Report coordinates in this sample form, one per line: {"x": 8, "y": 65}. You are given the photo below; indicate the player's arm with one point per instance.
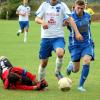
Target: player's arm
{"x": 73, "y": 24}
{"x": 67, "y": 13}
{"x": 92, "y": 12}
{"x": 42, "y": 22}
{"x": 19, "y": 13}
{"x": 17, "y": 69}
{"x": 25, "y": 87}
{"x": 38, "y": 86}
{"x": 6, "y": 84}
{"x": 29, "y": 12}
{"x": 39, "y": 16}
{"x": 31, "y": 76}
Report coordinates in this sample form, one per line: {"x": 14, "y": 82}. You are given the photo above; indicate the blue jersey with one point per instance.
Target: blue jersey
{"x": 83, "y": 25}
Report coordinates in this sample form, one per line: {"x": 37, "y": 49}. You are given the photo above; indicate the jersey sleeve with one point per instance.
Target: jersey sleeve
{"x": 20, "y": 71}
{"x": 31, "y": 76}
{"x": 66, "y": 10}
{"x": 40, "y": 11}
{"x": 91, "y": 11}
{"x": 18, "y": 9}
{"x": 6, "y": 84}
{"x": 17, "y": 70}
{"x": 25, "y": 87}
{"x": 29, "y": 10}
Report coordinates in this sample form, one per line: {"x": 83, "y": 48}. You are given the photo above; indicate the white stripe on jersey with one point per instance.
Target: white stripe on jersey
{"x": 54, "y": 16}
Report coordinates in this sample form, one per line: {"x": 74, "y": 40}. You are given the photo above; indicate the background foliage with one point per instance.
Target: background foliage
{"x": 8, "y": 7}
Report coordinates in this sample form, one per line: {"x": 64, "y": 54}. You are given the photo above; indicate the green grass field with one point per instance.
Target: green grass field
{"x": 26, "y": 55}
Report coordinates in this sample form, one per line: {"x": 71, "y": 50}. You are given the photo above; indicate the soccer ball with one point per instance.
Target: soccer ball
{"x": 65, "y": 84}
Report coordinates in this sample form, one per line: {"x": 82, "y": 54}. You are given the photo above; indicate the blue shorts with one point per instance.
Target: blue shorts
{"x": 48, "y": 45}
{"x": 24, "y": 24}
{"x": 78, "y": 52}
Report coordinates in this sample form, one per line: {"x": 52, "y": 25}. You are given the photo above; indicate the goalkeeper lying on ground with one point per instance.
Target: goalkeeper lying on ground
{"x": 18, "y": 78}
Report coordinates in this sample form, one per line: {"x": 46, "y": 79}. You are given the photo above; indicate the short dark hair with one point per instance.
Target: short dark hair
{"x": 13, "y": 77}
{"x": 80, "y": 2}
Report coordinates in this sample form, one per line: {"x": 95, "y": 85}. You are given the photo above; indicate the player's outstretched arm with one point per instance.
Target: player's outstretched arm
{"x": 73, "y": 24}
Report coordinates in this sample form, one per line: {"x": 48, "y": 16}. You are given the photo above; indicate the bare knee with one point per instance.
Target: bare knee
{"x": 44, "y": 63}
{"x": 86, "y": 59}
{"x": 76, "y": 70}
{"x": 60, "y": 52}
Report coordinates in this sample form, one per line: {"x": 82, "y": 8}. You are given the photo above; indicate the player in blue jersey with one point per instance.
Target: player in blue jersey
{"x": 50, "y": 15}
{"x": 81, "y": 49}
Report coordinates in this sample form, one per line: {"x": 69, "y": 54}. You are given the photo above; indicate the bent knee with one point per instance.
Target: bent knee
{"x": 60, "y": 52}
{"x": 86, "y": 61}
{"x": 76, "y": 70}
{"x": 44, "y": 63}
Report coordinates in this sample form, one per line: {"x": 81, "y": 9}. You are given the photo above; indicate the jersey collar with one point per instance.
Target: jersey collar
{"x": 48, "y": 1}
{"x": 77, "y": 15}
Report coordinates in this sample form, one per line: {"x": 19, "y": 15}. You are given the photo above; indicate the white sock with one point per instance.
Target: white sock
{"x": 59, "y": 62}
{"x": 25, "y": 36}
{"x": 19, "y": 30}
{"x": 41, "y": 73}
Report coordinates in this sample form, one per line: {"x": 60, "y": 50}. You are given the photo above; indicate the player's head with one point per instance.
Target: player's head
{"x": 53, "y": 2}
{"x": 79, "y": 7}
{"x": 4, "y": 63}
{"x": 25, "y": 2}
{"x": 86, "y": 4}
{"x": 13, "y": 77}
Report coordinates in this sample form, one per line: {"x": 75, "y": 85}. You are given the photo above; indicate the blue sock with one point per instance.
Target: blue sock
{"x": 84, "y": 74}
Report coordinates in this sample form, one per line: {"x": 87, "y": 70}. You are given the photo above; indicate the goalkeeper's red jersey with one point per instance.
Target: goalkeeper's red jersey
{"x": 19, "y": 71}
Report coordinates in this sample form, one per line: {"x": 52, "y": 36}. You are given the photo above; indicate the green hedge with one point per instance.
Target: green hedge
{"x": 8, "y": 9}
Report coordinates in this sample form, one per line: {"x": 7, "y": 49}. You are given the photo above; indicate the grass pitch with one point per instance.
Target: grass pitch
{"x": 26, "y": 55}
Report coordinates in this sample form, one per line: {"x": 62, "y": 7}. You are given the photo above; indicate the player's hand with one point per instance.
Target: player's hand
{"x": 79, "y": 37}
{"x": 23, "y": 14}
{"x": 38, "y": 86}
{"x": 65, "y": 23}
{"x": 45, "y": 25}
{"x": 41, "y": 85}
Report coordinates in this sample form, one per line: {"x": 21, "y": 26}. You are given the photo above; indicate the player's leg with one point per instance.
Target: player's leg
{"x": 26, "y": 30}
{"x": 59, "y": 62}
{"x": 18, "y": 32}
{"x": 21, "y": 30}
{"x": 73, "y": 67}
{"x": 42, "y": 69}
{"x": 85, "y": 72}
{"x": 88, "y": 55}
{"x": 59, "y": 45}
{"x": 44, "y": 54}
{"x": 74, "y": 64}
